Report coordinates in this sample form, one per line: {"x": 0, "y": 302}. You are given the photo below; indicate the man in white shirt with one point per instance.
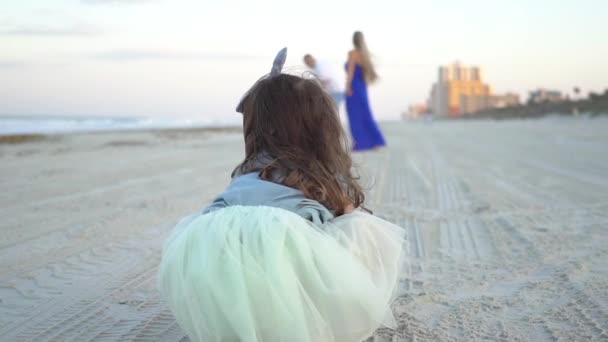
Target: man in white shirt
{"x": 329, "y": 77}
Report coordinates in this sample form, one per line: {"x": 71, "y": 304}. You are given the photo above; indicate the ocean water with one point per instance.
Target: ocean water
{"x": 16, "y": 124}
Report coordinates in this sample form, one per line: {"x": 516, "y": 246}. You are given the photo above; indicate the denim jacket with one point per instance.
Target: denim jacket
{"x": 250, "y": 189}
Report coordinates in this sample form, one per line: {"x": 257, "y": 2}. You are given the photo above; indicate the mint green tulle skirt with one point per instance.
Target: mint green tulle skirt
{"x": 264, "y": 274}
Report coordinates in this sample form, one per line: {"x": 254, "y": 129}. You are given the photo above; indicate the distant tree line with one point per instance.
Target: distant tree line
{"x": 595, "y": 104}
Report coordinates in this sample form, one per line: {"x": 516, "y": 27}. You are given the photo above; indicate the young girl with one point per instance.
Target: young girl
{"x": 284, "y": 253}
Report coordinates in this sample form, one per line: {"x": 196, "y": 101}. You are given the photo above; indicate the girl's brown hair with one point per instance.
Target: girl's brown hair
{"x": 293, "y": 136}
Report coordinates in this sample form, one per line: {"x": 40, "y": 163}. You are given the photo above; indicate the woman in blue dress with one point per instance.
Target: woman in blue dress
{"x": 364, "y": 129}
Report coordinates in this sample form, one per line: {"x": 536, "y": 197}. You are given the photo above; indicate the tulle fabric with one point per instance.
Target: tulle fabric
{"x": 265, "y": 274}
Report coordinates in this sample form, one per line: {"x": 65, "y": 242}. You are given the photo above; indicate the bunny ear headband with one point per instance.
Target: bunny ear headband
{"x": 278, "y": 63}
{"x": 277, "y": 66}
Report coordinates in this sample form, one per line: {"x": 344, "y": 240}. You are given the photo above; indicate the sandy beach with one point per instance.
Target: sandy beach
{"x": 507, "y": 225}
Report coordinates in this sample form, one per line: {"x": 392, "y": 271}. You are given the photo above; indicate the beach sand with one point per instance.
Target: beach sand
{"x": 507, "y": 225}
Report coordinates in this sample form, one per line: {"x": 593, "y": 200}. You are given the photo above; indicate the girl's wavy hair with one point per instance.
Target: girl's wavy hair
{"x": 293, "y": 136}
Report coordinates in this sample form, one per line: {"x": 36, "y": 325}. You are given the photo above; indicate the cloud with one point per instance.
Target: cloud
{"x": 6, "y": 21}
{"x": 45, "y": 31}
{"x": 101, "y": 2}
{"x": 11, "y": 64}
{"x": 45, "y": 11}
{"x": 143, "y": 55}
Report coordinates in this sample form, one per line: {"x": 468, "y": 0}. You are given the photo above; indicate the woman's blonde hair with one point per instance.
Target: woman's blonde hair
{"x": 369, "y": 73}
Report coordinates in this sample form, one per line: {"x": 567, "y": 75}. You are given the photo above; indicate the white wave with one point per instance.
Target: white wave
{"x": 57, "y": 124}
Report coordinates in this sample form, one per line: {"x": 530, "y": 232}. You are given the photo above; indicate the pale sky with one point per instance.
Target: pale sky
{"x": 189, "y": 58}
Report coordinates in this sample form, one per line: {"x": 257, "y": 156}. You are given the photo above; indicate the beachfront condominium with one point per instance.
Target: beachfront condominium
{"x": 459, "y": 90}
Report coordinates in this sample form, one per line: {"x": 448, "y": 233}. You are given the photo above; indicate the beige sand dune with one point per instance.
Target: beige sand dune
{"x": 507, "y": 223}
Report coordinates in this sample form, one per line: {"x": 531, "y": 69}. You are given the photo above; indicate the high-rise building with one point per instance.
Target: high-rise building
{"x": 458, "y": 90}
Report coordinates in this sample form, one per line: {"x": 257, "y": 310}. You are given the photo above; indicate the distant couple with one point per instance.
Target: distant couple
{"x": 360, "y": 71}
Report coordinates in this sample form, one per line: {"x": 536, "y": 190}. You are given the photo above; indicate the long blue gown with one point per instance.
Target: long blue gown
{"x": 363, "y": 127}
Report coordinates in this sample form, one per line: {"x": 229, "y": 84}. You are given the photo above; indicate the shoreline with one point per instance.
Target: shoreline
{"x": 27, "y": 137}
{"x": 20, "y": 138}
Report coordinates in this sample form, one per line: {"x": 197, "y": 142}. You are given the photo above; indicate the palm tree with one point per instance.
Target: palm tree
{"x": 577, "y": 91}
